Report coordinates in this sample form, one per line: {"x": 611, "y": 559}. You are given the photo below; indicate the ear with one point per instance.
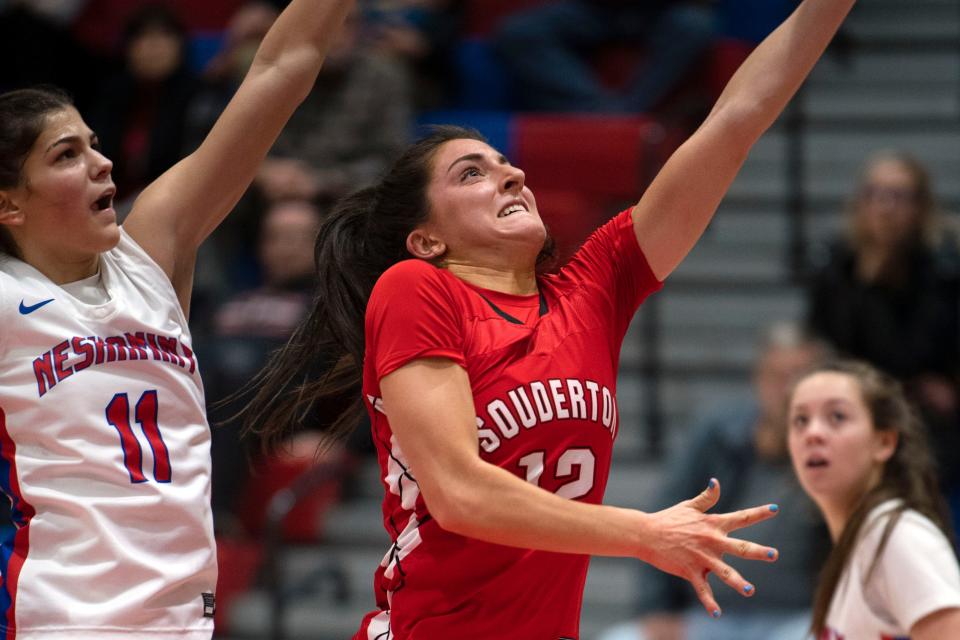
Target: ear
{"x": 421, "y": 244}
{"x": 885, "y": 444}
{"x": 10, "y": 212}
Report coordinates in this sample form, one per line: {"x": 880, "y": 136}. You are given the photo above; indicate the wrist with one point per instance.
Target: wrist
{"x": 641, "y": 534}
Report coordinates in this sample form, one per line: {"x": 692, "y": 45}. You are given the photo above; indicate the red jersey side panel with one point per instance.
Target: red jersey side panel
{"x": 544, "y": 391}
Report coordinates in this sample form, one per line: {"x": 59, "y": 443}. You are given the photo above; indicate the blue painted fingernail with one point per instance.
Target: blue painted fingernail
{"x": 747, "y": 588}
{"x": 716, "y": 613}
{"x": 774, "y": 508}
{"x": 712, "y": 483}
{"x": 771, "y": 554}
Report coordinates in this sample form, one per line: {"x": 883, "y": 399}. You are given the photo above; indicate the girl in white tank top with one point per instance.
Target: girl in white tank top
{"x": 104, "y": 444}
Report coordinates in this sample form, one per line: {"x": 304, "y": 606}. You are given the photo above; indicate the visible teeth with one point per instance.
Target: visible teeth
{"x": 511, "y": 210}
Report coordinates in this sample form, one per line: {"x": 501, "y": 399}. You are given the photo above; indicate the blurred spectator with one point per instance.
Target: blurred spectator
{"x": 547, "y": 50}
{"x": 888, "y": 292}
{"x": 424, "y": 34}
{"x": 744, "y": 446}
{"x": 285, "y": 254}
{"x": 225, "y": 263}
{"x": 220, "y": 80}
{"x": 100, "y": 25}
{"x": 248, "y": 327}
{"x": 38, "y": 48}
{"x": 141, "y": 111}
{"x": 342, "y": 137}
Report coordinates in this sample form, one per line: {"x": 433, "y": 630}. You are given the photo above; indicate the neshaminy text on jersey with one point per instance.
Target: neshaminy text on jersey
{"x": 76, "y": 354}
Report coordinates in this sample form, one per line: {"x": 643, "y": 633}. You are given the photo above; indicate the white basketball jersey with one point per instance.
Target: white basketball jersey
{"x": 105, "y": 455}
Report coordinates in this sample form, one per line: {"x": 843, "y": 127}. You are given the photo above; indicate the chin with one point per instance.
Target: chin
{"x": 531, "y": 228}
{"x": 109, "y": 238}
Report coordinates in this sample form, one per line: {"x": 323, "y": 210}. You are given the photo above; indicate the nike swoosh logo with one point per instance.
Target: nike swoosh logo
{"x": 25, "y": 310}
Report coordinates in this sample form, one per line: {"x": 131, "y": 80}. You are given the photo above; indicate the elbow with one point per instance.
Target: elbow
{"x": 456, "y": 508}
{"x": 453, "y": 520}
{"x": 292, "y": 73}
{"x": 741, "y": 124}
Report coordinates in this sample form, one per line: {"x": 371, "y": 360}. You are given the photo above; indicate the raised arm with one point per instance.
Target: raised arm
{"x": 430, "y": 407}
{"x": 177, "y": 211}
{"x": 944, "y": 623}
{"x": 678, "y": 205}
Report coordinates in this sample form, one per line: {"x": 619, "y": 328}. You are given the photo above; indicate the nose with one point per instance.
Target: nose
{"x": 814, "y": 433}
{"x": 513, "y": 179}
{"x": 101, "y": 166}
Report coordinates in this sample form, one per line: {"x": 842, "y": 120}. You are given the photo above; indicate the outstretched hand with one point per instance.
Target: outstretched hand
{"x": 690, "y": 543}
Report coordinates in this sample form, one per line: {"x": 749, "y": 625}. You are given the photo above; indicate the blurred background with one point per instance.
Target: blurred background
{"x": 838, "y": 235}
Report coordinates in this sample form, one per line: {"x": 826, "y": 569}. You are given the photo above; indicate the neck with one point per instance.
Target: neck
{"x": 875, "y": 258}
{"x": 515, "y": 282}
{"x": 836, "y": 520}
{"x": 62, "y": 271}
{"x": 837, "y": 510}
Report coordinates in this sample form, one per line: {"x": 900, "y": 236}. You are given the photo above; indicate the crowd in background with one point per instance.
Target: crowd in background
{"x": 151, "y": 78}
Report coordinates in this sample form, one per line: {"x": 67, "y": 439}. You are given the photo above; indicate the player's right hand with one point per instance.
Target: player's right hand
{"x": 690, "y": 543}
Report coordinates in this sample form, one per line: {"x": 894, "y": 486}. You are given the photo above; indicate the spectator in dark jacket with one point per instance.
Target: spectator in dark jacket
{"x": 888, "y": 292}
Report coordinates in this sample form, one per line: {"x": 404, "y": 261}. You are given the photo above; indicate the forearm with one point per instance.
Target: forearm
{"x": 771, "y": 75}
{"x": 301, "y": 37}
{"x": 429, "y": 403}
{"x": 491, "y": 504}
{"x": 678, "y": 205}
{"x": 944, "y": 623}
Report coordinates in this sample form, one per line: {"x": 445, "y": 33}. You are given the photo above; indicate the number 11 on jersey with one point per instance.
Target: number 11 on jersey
{"x": 145, "y": 413}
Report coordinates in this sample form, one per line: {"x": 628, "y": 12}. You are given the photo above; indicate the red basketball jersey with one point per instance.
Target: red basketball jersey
{"x": 543, "y": 370}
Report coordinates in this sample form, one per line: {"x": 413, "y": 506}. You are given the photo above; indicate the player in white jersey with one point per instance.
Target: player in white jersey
{"x": 860, "y": 453}
{"x": 104, "y": 444}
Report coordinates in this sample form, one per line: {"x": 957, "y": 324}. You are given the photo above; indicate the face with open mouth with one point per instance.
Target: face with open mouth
{"x": 67, "y": 193}
{"x": 837, "y": 452}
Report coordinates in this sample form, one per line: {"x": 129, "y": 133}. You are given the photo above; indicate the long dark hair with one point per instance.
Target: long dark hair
{"x": 23, "y": 116}
{"x": 361, "y": 238}
{"x": 908, "y": 476}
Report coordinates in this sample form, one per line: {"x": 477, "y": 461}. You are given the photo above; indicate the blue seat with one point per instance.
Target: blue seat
{"x": 481, "y": 79}
{"x": 204, "y": 46}
{"x": 752, "y": 20}
{"x": 496, "y": 126}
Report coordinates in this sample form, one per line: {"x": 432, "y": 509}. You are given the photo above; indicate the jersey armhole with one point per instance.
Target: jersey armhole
{"x": 4, "y": 317}
{"x": 140, "y": 255}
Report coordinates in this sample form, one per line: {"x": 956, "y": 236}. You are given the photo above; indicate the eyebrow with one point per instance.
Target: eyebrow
{"x": 476, "y": 157}
{"x": 69, "y": 140}
{"x": 829, "y": 403}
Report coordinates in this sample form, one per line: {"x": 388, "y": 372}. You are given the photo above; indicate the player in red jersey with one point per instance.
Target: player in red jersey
{"x": 491, "y": 389}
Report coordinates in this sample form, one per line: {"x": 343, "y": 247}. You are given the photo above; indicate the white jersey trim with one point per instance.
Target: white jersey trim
{"x": 379, "y": 627}
{"x": 6, "y": 309}
{"x": 146, "y": 261}
{"x": 115, "y": 634}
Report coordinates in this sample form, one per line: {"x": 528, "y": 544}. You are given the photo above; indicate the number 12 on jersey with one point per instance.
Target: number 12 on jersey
{"x": 145, "y": 413}
{"x": 580, "y": 460}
